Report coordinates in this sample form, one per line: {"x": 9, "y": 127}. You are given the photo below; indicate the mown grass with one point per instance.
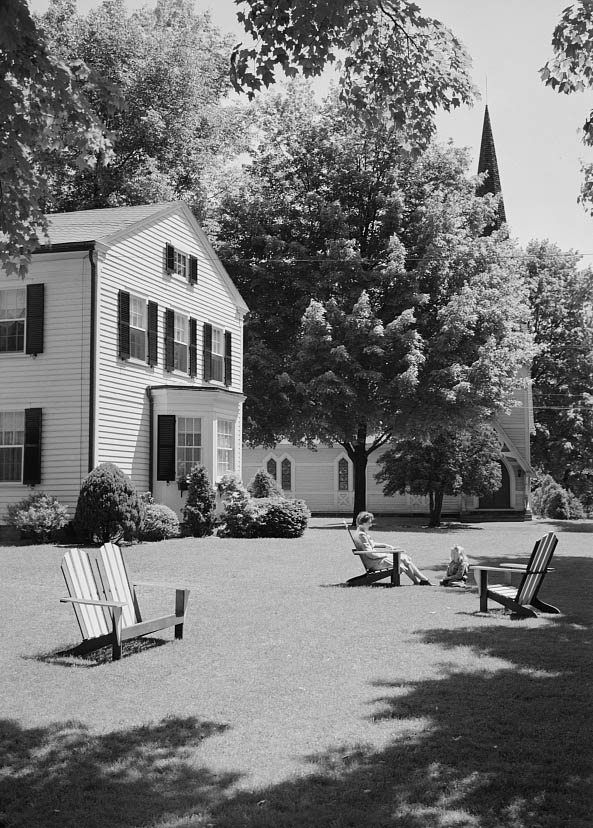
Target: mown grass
{"x": 293, "y": 702}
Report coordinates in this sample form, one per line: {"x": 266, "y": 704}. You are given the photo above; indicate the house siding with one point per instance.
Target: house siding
{"x": 56, "y": 380}
{"x": 76, "y": 370}
{"x": 137, "y": 264}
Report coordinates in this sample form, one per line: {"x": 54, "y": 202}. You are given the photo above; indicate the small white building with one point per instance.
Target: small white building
{"x": 324, "y": 478}
{"x": 123, "y": 344}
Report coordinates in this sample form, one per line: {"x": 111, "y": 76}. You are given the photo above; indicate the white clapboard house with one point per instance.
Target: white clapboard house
{"x": 122, "y": 344}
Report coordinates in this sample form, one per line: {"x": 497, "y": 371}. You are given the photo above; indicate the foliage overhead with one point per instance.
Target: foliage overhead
{"x": 391, "y": 59}
{"x": 571, "y": 69}
{"x": 43, "y": 112}
{"x": 169, "y": 67}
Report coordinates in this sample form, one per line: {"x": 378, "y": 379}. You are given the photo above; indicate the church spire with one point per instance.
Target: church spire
{"x": 488, "y": 164}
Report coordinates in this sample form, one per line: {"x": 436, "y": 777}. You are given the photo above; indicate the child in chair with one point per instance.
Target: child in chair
{"x": 375, "y": 560}
{"x": 457, "y": 569}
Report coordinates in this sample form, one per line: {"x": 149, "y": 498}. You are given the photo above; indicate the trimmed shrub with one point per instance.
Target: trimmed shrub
{"x": 551, "y": 500}
{"x": 199, "y": 512}
{"x": 263, "y": 485}
{"x": 285, "y": 518}
{"x": 160, "y": 523}
{"x": 274, "y": 517}
{"x": 108, "y": 507}
{"x": 38, "y": 517}
{"x": 230, "y": 484}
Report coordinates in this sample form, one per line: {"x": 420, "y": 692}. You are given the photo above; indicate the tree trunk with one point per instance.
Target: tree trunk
{"x": 357, "y": 452}
{"x": 436, "y": 506}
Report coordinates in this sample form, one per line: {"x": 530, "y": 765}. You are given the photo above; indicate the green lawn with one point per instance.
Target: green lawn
{"x": 293, "y": 702}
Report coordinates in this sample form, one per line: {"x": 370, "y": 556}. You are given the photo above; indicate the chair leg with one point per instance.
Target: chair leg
{"x": 181, "y": 599}
{"x": 395, "y": 572}
{"x": 483, "y": 590}
{"x": 543, "y": 607}
{"x": 116, "y": 635}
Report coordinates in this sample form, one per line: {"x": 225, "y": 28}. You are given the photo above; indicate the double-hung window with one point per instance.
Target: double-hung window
{"x": 12, "y": 443}
{"x": 137, "y": 328}
{"x": 217, "y": 354}
{"x": 180, "y": 264}
{"x": 13, "y": 311}
{"x": 180, "y": 339}
{"x": 225, "y": 447}
{"x": 189, "y": 444}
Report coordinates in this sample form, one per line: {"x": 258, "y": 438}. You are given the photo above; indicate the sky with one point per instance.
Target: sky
{"x": 536, "y": 130}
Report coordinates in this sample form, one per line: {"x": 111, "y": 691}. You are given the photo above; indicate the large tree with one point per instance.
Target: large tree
{"x": 168, "y": 67}
{"x": 42, "y": 112}
{"x": 561, "y": 299}
{"x": 391, "y": 59}
{"x": 333, "y": 213}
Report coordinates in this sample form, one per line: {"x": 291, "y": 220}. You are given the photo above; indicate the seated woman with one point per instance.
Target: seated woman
{"x": 375, "y": 560}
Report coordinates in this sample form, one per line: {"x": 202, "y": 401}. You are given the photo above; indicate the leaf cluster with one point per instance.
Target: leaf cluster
{"x": 391, "y": 60}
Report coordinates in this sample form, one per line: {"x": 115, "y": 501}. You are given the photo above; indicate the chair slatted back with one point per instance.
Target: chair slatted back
{"x": 358, "y": 547}
{"x": 536, "y": 568}
{"x": 112, "y": 574}
{"x": 81, "y": 583}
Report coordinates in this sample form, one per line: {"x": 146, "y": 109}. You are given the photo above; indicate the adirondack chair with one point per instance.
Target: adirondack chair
{"x": 523, "y": 599}
{"x": 372, "y": 575}
{"x": 105, "y": 602}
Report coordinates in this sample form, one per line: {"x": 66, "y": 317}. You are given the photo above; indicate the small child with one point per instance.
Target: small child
{"x": 458, "y": 567}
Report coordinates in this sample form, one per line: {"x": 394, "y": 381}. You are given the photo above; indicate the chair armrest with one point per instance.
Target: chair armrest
{"x": 157, "y": 584}
{"x": 93, "y": 602}
{"x": 490, "y": 568}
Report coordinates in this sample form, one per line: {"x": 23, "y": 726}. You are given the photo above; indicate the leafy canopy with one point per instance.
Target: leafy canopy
{"x": 167, "y": 67}
{"x": 391, "y": 59}
{"x": 42, "y": 111}
{"x": 571, "y": 69}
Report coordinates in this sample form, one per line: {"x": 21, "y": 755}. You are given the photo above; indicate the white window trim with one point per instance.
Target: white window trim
{"x": 292, "y": 472}
{"x": 23, "y": 319}
{"x": 350, "y": 488}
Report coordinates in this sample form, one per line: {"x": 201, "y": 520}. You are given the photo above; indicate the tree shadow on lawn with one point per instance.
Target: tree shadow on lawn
{"x": 63, "y": 776}
{"x": 498, "y": 736}
{"x": 502, "y": 744}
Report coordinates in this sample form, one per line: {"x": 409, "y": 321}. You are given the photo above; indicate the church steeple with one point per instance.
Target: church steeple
{"x": 488, "y": 164}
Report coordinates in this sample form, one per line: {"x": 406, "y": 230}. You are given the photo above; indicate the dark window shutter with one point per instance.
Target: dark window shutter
{"x": 228, "y": 376}
{"x": 35, "y": 315}
{"x": 32, "y": 452}
{"x": 165, "y": 455}
{"x": 193, "y": 270}
{"x": 207, "y": 334}
{"x": 193, "y": 347}
{"x": 153, "y": 330}
{"x": 123, "y": 323}
{"x": 169, "y": 339}
{"x": 170, "y": 258}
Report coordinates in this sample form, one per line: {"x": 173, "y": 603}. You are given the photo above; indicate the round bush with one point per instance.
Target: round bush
{"x": 263, "y": 485}
{"x": 160, "y": 522}
{"x": 108, "y": 507}
{"x": 199, "y": 512}
{"x": 38, "y": 517}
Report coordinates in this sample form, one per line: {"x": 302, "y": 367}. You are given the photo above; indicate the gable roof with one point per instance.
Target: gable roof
{"x": 83, "y": 229}
{"x": 88, "y": 226}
